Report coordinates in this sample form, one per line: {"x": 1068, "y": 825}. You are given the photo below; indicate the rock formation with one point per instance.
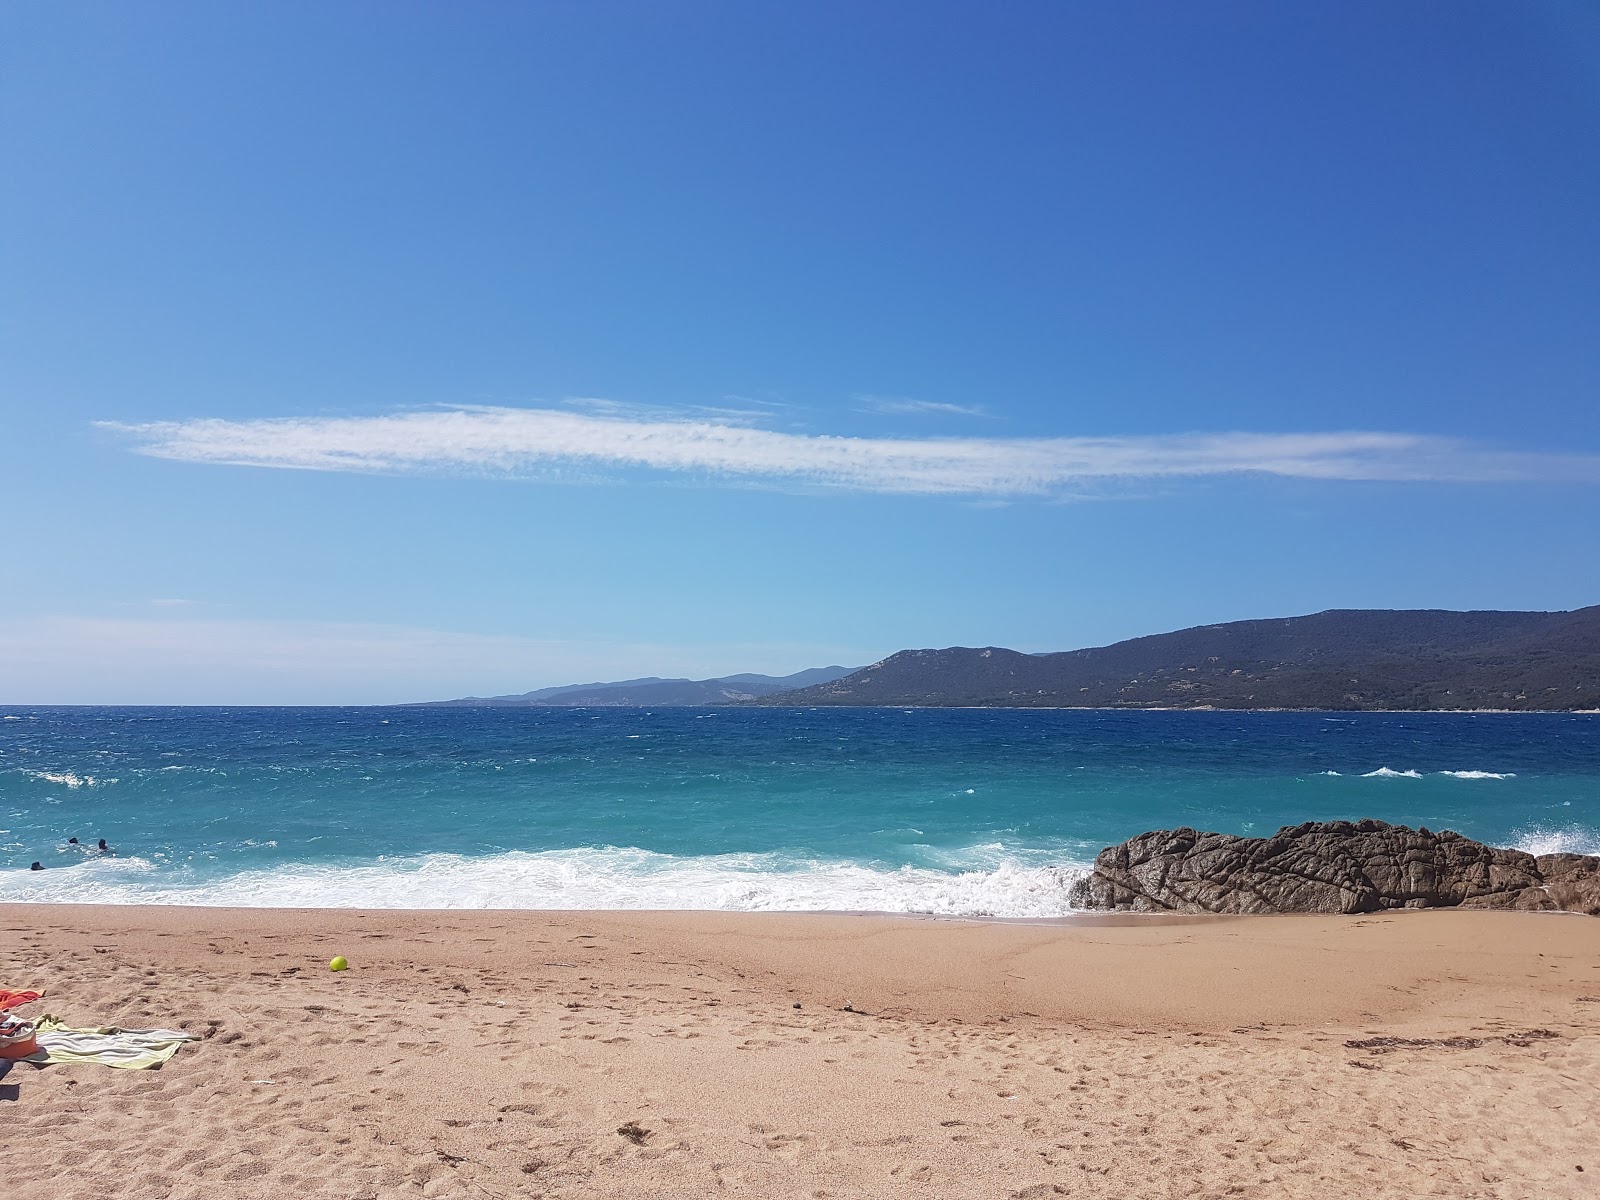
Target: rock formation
{"x": 1332, "y": 867}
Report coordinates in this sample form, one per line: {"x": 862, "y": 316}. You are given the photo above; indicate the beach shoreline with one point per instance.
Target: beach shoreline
{"x": 677, "y": 1054}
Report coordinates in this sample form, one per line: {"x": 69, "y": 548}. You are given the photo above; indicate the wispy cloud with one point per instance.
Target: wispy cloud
{"x": 902, "y": 405}
{"x": 737, "y": 413}
{"x": 538, "y": 441}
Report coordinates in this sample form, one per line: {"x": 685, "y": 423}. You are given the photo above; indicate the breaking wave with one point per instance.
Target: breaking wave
{"x": 1390, "y": 773}
{"x": 1568, "y": 839}
{"x": 66, "y": 778}
{"x": 602, "y": 878}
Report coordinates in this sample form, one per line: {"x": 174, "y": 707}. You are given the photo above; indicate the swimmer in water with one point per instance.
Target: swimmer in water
{"x": 38, "y": 866}
{"x": 103, "y": 848}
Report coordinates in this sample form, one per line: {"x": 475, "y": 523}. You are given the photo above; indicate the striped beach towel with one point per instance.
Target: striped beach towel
{"x": 132, "y": 1049}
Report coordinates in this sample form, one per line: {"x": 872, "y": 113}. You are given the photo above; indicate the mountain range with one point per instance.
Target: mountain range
{"x": 654, "y": 692}
{"x": 1342, "y": 659}
{"x": 1353, "y": 659}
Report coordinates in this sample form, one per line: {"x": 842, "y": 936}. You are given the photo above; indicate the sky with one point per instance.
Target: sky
{"x": 373, "y": 352}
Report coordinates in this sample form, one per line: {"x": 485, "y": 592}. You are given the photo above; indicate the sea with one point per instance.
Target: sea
{"x": 971, "y": 812}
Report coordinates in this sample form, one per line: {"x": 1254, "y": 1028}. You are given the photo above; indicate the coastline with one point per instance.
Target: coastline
{"x": 1205, "y": 708}
{"x": 491, "y": 1052}
{"x": 1208, "y": 708}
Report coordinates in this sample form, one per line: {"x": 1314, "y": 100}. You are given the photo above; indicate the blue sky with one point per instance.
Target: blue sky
{"x": 370, "y": 352}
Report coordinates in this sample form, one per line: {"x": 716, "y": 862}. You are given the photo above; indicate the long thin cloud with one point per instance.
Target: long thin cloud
{"x": 904, "y": 406}
{"x": 531, "y": 441}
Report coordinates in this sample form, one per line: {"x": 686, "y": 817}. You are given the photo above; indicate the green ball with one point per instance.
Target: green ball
{"x": 340, "y": 963}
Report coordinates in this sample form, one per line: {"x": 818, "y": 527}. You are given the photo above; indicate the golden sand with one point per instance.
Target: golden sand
{"x": 584, "y": 1054}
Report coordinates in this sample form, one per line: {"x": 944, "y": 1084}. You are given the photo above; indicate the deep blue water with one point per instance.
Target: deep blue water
{"x": 937, "y": 810}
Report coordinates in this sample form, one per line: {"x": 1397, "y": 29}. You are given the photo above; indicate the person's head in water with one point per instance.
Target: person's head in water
{"x": 102, "y": 845}
{"x": 38, "y": 866}
{"x": 72, "y": 841}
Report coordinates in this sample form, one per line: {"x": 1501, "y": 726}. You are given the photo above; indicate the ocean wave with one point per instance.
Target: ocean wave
{"x": 599, "y": 878}
{"x": 1390, "y": 773}
{"x": 67, "y": 778}
{"x": 1569, "y": 839}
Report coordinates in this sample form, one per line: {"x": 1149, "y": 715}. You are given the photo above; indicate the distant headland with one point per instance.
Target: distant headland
{"x": 1362, "y": 660}
{"x": 653, "y": 692}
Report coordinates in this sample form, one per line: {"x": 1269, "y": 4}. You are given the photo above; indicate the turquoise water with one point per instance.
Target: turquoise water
{"x": 928, "y": 810}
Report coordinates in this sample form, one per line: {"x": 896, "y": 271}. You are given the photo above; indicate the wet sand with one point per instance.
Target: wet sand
{"x": 584, "y": 1054}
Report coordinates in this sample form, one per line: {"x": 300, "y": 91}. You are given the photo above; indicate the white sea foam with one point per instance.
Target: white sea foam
{"x": 1570, "y": 839}
{"x": 603, "y": 878}
{"x": 1390, "y": 773}
{"x": 67, "y": 778}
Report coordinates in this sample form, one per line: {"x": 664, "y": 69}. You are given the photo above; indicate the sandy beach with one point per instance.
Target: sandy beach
{"x": 687, "y": 1055}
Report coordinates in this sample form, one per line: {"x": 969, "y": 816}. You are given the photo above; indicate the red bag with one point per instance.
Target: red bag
{"x": 17, "y": 1038}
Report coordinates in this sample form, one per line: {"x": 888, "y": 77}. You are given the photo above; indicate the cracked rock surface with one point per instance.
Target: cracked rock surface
{"x": 1332, "y": 867}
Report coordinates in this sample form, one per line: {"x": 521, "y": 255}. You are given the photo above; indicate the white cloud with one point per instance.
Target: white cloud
{"x": 536, "y": 441}
{"x": 901, "y": 405}
{"x": 153, "y": 660}
{"x": 621, "y": 410}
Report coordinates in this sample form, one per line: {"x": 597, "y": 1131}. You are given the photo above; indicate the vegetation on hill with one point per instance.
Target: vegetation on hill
{"x": 1355, "y": 659}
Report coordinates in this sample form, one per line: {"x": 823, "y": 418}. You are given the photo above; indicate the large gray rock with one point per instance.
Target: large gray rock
{"x": 1572, "y": 881}
{"x": 1331, "y": 867}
